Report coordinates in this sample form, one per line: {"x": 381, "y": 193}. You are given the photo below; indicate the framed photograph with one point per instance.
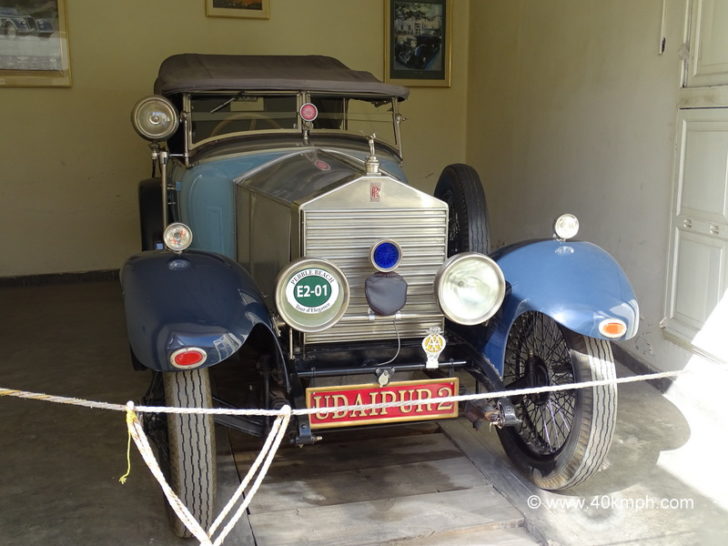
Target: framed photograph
{"x": 34, "y": 44}
{"x": 255, "y": 9}
{"x": 417, "y": 42}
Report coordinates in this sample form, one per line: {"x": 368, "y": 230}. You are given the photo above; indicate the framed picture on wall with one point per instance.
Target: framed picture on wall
{"x": 417, "y": 45}
{"x": 34, "y": 44}
{"x": 256, "y": 9}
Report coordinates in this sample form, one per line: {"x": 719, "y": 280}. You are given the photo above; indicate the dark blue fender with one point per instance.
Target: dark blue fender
{"x": 194, "y": 299}
{"x": 576, "y": 283}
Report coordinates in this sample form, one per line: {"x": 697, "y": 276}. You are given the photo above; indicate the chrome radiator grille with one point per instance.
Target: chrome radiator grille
{"x": 346, "y": 236}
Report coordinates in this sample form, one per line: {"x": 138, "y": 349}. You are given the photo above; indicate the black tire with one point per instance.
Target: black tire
{"x": 541, "y": 352}
{"x": 150, "y": 213}
{"x": 459, "y": 186}
{"x": 191, "y": 447}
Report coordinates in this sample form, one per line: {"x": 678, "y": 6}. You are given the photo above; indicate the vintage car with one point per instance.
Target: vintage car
{"x": 13, "y": 23}
{"x": 417, "y": 51}
{"x": 287, "y": 260}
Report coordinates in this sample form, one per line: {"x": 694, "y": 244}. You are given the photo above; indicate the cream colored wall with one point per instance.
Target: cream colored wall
{"x": 571, "y": 109}
{"x": 70, "y": 161}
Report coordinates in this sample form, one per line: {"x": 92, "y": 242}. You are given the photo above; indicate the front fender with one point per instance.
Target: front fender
{"x": 576, "y": 283}
{"x": 195, "y": 299}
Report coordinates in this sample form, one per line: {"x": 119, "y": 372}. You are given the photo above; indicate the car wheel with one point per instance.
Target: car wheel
{"x": 564, "y": 436}
{"x": 191, "y": 446}
{"x": 467, "y": 229}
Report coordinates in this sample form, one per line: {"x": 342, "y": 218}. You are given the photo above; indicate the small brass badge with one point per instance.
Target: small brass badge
{"x": 433, "y": 344}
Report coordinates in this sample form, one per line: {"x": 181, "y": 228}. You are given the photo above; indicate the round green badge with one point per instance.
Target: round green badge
{"x": 312, "y": 290}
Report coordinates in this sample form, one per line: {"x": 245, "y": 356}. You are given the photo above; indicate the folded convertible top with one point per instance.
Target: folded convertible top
{"x": 190, "y": 72}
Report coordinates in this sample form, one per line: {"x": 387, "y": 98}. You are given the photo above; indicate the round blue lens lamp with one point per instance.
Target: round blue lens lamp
{"x": 386, "y": 255}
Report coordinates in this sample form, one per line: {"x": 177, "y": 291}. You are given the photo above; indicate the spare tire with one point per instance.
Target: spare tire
{"x": 467, "y": 228}
{"x": 150, "y": 213}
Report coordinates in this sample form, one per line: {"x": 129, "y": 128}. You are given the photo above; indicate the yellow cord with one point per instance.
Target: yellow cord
{"x": 130, "y": 418}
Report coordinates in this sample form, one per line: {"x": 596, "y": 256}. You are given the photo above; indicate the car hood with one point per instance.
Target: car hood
{"x": 302, "y": 176}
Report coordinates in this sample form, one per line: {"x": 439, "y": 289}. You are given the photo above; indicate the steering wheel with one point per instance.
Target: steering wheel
{"x": 252, "y": 116}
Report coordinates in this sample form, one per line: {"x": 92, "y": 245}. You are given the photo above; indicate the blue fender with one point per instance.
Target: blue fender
{"x": 576, "y": 283}
{"x": 196, "y": 299}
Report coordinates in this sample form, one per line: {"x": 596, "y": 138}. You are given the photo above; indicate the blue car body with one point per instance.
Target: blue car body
{"x": 576, "y": 283}
{"x": 286, "y": 256}
{"x": 215, "y": 295}
{"x": 175, "y": 301}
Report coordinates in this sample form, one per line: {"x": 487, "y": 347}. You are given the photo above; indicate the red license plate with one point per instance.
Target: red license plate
{"x": 402, "y": 391}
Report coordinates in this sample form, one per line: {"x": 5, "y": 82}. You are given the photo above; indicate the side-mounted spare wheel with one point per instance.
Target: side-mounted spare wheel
{"x": 467, "y": 229}
{"x": 150, "y": 213}
{"x": 564, "y": 436}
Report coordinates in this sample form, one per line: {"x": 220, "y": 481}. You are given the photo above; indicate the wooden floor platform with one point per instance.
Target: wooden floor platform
{"x": 382, "y": 486}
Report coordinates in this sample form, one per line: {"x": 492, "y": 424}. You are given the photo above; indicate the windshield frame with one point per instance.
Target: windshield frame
{"x": 302, "y": 129}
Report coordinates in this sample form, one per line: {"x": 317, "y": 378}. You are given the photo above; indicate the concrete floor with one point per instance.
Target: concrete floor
{"x": 59, "y": 465}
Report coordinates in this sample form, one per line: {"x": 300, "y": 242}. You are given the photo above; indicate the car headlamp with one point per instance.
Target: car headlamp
{"x": 566, "y": 227}
{"x": 470, "y": 288}
{"x": 311, "y": 294}
{"x": 155, "y": 118}
{"x": 177, "y": 237}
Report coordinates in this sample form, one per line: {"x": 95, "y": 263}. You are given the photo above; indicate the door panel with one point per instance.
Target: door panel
{"x": 698, "y": 284}
{"x": 708, "y": 43}
{"x": 698, "y": 265}
{"x": 705, "y": 194}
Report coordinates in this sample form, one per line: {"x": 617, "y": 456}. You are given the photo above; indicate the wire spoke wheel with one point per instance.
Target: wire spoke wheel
{"x": 563, "y": 436}
{"x": 541, "y": 358}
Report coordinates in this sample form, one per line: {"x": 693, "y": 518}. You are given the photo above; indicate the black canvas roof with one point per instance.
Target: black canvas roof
{"x": 190, "y": 72}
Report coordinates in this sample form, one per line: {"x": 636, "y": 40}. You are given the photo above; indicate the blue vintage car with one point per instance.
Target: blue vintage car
{"x": 287, "y": 260}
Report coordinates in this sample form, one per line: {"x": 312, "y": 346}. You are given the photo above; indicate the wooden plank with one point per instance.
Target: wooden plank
{"x": 367, "y": 484}
{"x": 227, "y": 482}
{"x": 325, "y": 458}
{"x": 630, "y": 477}
{"x": 384, "y": 520}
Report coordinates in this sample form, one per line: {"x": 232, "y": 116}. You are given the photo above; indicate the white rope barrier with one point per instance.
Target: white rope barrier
{"x": 309, "y": 411}
{"x": 142, "y": 443}
{"x": 282, "y": 423}
{"x": 265, "y": 458}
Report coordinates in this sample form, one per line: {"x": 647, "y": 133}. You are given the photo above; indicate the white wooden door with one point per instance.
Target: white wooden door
{"x": 697, "y": 303}
{"x": 708, "y": 63}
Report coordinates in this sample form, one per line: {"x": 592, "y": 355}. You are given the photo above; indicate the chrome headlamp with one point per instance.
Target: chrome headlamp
{"x": 566, "y": 227}
{"x": 311, "y": 294}
{"x": 155, "y": 118}
{"x": 470, "y": 288}
{"x": 177, "y": 237}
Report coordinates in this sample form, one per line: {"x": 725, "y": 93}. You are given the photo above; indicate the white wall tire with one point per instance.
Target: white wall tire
{"x": 559, "y": 456}
{"x": 191, "y": 442}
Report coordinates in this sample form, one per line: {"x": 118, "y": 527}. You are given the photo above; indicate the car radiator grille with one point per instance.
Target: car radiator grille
{"x": 346, "y": 237}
